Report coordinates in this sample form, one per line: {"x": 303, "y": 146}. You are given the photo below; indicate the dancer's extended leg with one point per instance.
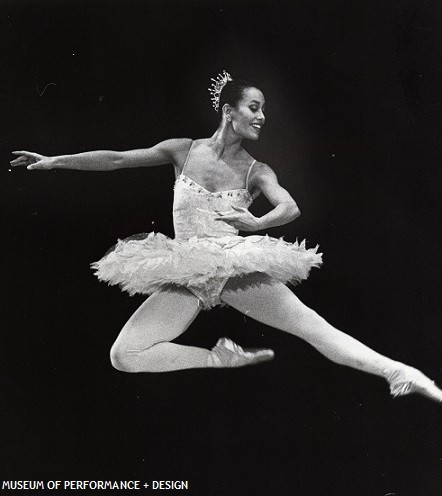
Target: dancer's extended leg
{"x": 275, "y": 305}
{"x": 142, "y": 345}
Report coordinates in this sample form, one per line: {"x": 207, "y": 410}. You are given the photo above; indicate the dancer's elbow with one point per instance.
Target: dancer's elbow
{"x": 293, "y": 210}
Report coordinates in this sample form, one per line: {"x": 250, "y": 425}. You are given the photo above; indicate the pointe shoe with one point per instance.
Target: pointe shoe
{"x": 226, "y": 353}
{"x": 408, "y": 380}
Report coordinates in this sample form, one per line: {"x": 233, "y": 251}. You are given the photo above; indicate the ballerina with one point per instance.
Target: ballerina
{"x": 208, "y": 263}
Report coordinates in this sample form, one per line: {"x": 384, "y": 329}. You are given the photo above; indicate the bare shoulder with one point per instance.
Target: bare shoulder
{"x": 177, "y": 149}
{"x": 266, "y": 181}
{"x": 262, "y": 173}
{"x": 182, "y": 148}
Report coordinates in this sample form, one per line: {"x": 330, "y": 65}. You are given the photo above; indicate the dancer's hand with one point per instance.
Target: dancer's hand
{"x": 32, "y": 160}
{"x": 240, "y": 218}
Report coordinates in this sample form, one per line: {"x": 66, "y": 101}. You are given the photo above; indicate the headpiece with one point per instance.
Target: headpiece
{"x": 217, "y": 86}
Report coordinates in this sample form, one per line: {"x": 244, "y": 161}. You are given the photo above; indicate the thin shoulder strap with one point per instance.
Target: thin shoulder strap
{"x": 187, "y": 157}
{"x": 248, "y": 174}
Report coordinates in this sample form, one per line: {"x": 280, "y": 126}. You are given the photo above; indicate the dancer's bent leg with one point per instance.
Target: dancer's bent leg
{"x": 142, "y": 345}
{"x": 274, "y": 304}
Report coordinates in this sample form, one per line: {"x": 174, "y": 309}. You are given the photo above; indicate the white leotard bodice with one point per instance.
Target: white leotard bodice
{"x": 195, "y": 209}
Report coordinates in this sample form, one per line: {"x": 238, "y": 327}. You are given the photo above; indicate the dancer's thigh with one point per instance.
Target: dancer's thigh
{"x": 270, "y": 302}
{"x": 162, "y": 317}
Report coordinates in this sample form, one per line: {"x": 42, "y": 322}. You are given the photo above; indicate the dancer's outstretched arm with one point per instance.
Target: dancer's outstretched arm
{"x": 167, "y": 152}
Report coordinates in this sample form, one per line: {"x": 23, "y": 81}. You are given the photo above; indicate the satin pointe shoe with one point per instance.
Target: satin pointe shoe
{"x": 226, "y": 353}
{"x": 405, "y": 380}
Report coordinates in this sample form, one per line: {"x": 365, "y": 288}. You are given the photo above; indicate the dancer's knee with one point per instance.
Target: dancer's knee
{"x": 133, "y": 360}
{"x": 309, "y": 325}
{"x": 118, "y": 359}
{"x": 123, "y": 359}
{"x": 307, "y": 316}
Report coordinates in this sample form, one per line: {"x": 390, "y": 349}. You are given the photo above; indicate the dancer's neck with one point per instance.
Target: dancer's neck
{"x": 226, "y": 143}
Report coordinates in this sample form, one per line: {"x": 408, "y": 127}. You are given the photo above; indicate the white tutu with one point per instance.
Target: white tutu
{"x": 146, "y": 265}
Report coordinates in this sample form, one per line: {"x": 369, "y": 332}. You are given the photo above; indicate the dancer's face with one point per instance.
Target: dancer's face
{"x": 248, "y": 117}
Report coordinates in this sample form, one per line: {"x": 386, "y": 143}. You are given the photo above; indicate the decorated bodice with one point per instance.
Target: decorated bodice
{"x": 195, "y": 209}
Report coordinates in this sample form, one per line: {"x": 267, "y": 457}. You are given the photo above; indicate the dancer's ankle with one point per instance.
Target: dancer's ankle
{"x": 213, "y": 360}
{"x": 228, "y": 354}
{"x": 404, "y": 380}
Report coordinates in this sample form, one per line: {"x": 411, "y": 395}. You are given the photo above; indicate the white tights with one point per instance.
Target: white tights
{"x": 143, "y": 344}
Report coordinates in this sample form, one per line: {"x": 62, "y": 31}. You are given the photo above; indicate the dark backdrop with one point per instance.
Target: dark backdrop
{"x": 353, "y": 131}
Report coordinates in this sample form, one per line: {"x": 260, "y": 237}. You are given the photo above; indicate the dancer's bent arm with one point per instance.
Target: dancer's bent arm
{"x": 285, "y": 211}
{"x": 166, "y": 152}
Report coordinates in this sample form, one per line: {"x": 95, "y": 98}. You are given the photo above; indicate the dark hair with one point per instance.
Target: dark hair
{"x": 233, "y": 92}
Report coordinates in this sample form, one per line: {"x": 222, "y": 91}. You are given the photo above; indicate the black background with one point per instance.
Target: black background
{"x": 353, "y": 131}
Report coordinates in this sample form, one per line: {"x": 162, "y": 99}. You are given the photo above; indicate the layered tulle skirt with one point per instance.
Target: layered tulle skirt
{"x": 154, "y": 261}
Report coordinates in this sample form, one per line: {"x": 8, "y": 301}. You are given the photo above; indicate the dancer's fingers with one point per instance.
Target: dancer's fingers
{"x": 29, "y": 156}
{"x": 239, "y": 209}
{"x": 25, "y": 153}
{"x": 226, "y": 212}
{"x": 19, "y": 161}
{"x": 228, "y": 218}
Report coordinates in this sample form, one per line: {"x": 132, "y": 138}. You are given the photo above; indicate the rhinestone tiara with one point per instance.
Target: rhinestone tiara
{"x": 217, "y": 86}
